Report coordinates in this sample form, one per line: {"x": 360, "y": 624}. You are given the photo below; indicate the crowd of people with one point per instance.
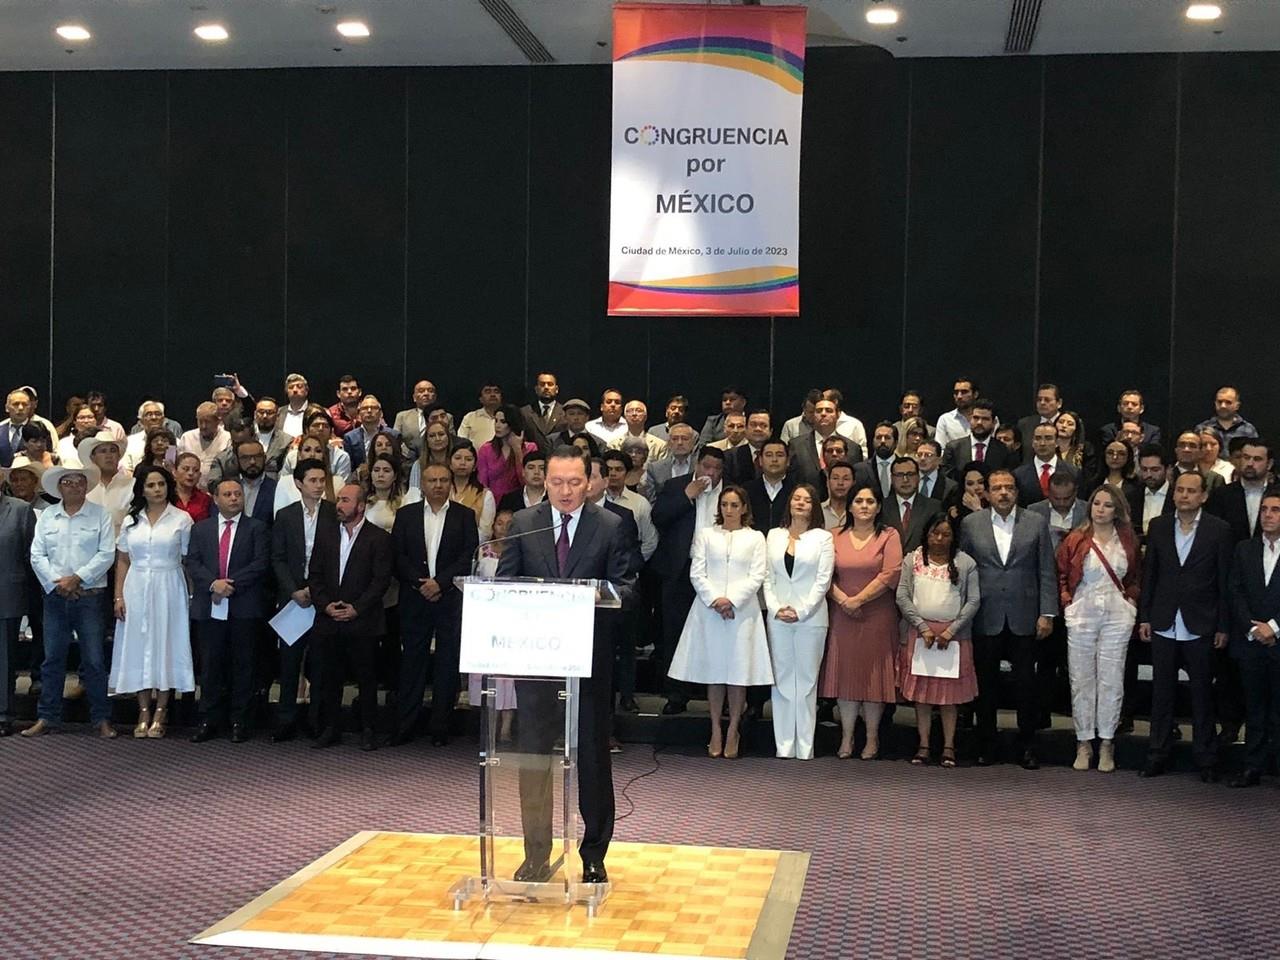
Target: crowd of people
{"x": 812, "y": 563}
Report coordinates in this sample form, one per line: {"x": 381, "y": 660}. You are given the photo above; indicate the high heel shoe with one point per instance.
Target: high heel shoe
{"x": 731, "y": 743}
{"x": 156, "y": 730}
{"x": 844, "y": 753}
{"x": 869, "y": 754}
{"x": 144, "y": 721}
{"x": 715, "y": 749}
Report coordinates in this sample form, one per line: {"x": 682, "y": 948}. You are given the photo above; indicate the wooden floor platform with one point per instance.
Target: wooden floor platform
{"x": 387, "y": 894}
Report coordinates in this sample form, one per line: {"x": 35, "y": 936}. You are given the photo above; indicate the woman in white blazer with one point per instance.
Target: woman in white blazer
{"x": 800, "y": 556}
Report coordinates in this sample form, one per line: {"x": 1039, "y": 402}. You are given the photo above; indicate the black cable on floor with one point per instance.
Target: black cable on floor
{"x": 657, "y": 764}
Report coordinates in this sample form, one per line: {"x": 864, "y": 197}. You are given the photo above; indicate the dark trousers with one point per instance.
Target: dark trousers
{"x": 626, "y": 631}
{"x": 1260, "y": 676}
{"x": 1196, "y": 657}
{"x": 677, "y": 598}
{"x": 389, "y": 651}
{"x": 1051, "y": 668}
{"x": 335, "y": 654}
{"x": 293, "y": 662}
{"x": 1021, "y": 651}
{"x": 1228, "y": 692}
{"x": 228, "y": 651}
{"x": 442, "y": 620}
{"x": 540, "y": 724}
{"x": 8, "y": 662}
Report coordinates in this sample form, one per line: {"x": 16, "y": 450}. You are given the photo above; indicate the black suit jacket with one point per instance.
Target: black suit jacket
{"x": 674, "y": 514}
{"x": 740, "y": 465}
{"x": 923, "y": 509}
{"x": 943, "y": 486}
{"x": 289, "y": 547}
{"x": 366, "y": 579}
{"x": 1227, "y": 502}
{"x": 599, "y": 550}
{"x": 804, "y": 461}
{"x": 458, "y": 544}
{"x": 960, "y": 452}
{"x": 1028, "y": 480}
{"x": 765, "y": 513}
{"x": 630, "y": 532}
{"x": 514, "y": 501}
{"x": 264, "y": 508}
{"x": 1251, "y": 598}
{"x": 1198, "y": 588}
{"x": 248, "y": 566}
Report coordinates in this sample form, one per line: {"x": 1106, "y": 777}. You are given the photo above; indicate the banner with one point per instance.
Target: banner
{"x": 704, "y": 211}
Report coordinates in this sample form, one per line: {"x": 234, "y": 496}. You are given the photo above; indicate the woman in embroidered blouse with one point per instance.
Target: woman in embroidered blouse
{"x": 1099, "y": 580}
{"x": 467, "y": 488}
{"x": 938, "y": 596}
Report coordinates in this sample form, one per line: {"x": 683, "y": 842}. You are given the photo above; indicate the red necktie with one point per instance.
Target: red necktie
{"x": 906, "y": 515}
{"x": 980, "y": 451}
{"x": 1044, "y": 479}
{"x": 224, "y": 551}
{"x": 562, "y": 544}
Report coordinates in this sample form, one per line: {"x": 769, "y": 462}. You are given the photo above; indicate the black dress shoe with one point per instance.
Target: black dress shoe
{"x": 239, "y": 733}
{"x": 533, "y": 871}
{"x": 628, "y": 705}
{"x": 368, "y": 742}
{"x": 6, "y": 728}
{"x": 1249, "y": 777}
{"x": 285, "y": 733}
{"x": 439, "y": 740}
{"x": 399, "y": 738}
{"x": 673, "y": 707}
{"x": 1154, "y": 768}
{"x": 328, "y": 738}
{"x": 983, "y": 760}
{"x": 1208, "y": 775}
{"x": 1029, "y": 761}
{"x": 593, "y": 872}
{"x": 206, "y": 732}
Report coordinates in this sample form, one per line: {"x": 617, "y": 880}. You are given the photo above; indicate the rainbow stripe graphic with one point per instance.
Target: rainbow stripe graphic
{"x": 760, "y": 57}
{"x": 753, "y": 291}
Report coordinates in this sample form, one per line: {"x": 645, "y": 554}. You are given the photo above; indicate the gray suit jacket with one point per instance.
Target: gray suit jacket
{"x": 17, "y": 528}
{"x": 1017, "y": 591}
{"x": 538, "y": 428}
{"x": 1079, "y": 511}
{"x": 408, "y": 425}
{"x": 658, "y": 472}
{"x": 600, "y": 551}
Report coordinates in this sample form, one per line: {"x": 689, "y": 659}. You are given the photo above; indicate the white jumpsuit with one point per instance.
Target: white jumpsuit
{"x": 1099, "y": 624}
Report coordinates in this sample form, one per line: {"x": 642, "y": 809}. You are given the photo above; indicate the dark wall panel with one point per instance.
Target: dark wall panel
{"x": 110, "y": 231}
{"x": 568, "y": 239}
{"x": 972, "y": 229}
{"x": 26, "y": 153}
{"x": 468, "y": 145}
{"x": 346, "y": 229}
{"x": 1228, "y": 295}
{"x": 226, "y": 233}
{"x": 1107, "y": 232}
{"x": 852, "y": 216}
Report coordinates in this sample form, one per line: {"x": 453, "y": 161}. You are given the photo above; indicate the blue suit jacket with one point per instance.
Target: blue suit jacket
{"x": 354, "y": 441}
{"x": 247, "y": 566}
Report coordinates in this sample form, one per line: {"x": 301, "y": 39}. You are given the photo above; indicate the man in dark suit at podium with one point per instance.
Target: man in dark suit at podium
{"x": 568, "y": 539}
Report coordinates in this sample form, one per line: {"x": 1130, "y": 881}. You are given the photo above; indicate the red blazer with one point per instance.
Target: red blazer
{"x": 1077, "y": 545}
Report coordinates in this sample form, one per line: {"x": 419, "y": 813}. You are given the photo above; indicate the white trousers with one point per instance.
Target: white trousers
{"x": 796, "y": 650}
{"x": 1098, "y": 632}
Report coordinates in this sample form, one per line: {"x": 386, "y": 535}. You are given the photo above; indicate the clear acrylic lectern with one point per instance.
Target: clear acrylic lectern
{"x": 531, "y": 641}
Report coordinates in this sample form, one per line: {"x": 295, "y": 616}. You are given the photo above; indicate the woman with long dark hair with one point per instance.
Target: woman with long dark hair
{"x": 1116, "y": 468}
{"x": 1073, "y": 448}
{"x": 859, "y": 666}
{"x": 499, "y": 461}
{"x": 938, "y": 596}
{"x": 152, "y": 653}
{"x": 970, "y": 494}
{"x": 467, "y": 489}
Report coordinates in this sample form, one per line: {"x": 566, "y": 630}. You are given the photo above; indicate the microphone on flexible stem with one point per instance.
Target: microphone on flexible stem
{"x": 475, "y": 557}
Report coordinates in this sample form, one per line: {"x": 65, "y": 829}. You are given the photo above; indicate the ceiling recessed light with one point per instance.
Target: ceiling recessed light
{"x": 353, "y": 28}
{"x": 1204, "y": 11}
{"x": 882, "y": 16}
{"x": 213, "y": 32}
{"x": 72, "y": 31}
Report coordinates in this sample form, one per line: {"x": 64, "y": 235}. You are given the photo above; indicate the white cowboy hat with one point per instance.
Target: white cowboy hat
{"x": 21, "y": 462}
{"x": 85, "y": 448}
{"x": 49, "y": 482}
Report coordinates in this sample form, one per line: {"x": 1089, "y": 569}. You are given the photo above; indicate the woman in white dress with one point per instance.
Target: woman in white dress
{"x": 724, "y": 643}
{"x": 801, "y": 556}
{"x": 152, "y": 654}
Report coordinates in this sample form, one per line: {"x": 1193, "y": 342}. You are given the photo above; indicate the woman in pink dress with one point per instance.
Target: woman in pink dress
{"x": 499, "y": 462}
{"x": 859, "y": 666}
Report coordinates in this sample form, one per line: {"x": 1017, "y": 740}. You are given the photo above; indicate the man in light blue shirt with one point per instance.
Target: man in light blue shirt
{"x": 73, "y": 549}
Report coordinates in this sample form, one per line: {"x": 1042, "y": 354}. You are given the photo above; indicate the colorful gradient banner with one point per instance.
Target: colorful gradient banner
{"x": 704, "y": 211}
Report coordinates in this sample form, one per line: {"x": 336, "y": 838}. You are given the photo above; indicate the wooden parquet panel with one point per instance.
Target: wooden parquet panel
{"x": 666, "y": 901}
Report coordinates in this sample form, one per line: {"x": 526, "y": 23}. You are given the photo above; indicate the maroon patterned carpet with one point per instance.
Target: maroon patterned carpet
{"x": 126, "y": 849}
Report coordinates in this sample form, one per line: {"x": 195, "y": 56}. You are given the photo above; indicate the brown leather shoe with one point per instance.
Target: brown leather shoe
{"x": 37, "y": 729}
